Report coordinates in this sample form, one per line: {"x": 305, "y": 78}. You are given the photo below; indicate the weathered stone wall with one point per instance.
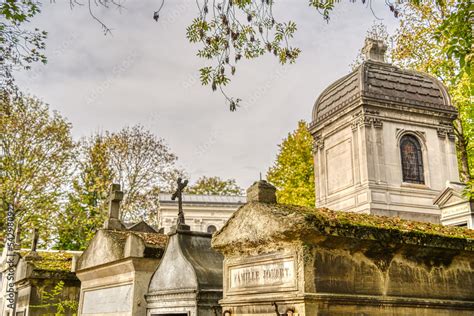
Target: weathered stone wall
{"x": 369, "y": 273}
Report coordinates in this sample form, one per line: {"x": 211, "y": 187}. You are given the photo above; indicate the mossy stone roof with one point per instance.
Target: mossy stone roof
{"x": 256, "y": 223}
{"x": 51, "y": 260}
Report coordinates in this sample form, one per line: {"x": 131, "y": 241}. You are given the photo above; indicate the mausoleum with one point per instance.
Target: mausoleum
{"x": 39, "y": 273}
{"x": 293, "y": 260}
{"x": 204, "y": 213}
{"x": 384, "y": 142}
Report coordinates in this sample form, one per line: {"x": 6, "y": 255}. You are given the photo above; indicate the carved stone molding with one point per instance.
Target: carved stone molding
{"x": 445, "y": 130}
{"x": 377, "y": 122}
{"x": 401, "y": 131}
{"x": 367, "y": 118}
{"x": 318, "y": 143}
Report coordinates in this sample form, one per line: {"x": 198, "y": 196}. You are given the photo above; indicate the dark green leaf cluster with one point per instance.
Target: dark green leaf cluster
{"x": 231, "y": 30}
{"x": 19, "y": 46}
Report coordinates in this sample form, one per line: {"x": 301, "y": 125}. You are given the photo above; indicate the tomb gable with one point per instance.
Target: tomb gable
{"x": 110, "y": 246}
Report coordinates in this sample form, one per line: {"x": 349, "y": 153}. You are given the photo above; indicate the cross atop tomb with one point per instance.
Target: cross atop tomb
{"x": 115, "y": 197}
{"x": 179, "y": 195}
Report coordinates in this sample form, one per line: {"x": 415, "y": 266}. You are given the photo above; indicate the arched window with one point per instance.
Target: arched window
{"x": 412, "y": 160}
{"x": 211, "y": 229}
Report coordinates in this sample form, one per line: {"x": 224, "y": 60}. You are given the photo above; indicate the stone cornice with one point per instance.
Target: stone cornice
{"x": 447, "y": 113}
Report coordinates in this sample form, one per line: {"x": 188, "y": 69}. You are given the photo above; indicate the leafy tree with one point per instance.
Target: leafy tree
{"x": 293, "y": 170}
{"x": 19, "y": 45}
{"x": 140, "y": 162}
{"x": 36, "y": 151}
{"x": 215, "y": 186}
{"x": 230, "y": 30}
{"x": 86, "y": 208}
{"x": 437, "y": 40}
{"x": 133, "y": 157}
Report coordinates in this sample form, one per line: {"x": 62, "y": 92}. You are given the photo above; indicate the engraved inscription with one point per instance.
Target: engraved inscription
{"x": 455, "y": 210}
{"x": 276, "y": 273}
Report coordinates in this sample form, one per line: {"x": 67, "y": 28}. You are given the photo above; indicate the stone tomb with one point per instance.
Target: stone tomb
{"x": 292, "y": 260}
{"x": 455, "y": 208}
{"x": 115, "y": 271}
{"x": 188, "y": 280}
{"x": 117, "y": 265}
{"x": 38, "y": 273}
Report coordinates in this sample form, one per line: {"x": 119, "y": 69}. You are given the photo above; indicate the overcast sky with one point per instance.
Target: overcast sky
{"x": 147, "y": 73}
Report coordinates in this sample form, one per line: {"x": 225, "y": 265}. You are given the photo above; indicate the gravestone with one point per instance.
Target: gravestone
{"x": 188, "y": 280}
{"x": 294, "y": 260}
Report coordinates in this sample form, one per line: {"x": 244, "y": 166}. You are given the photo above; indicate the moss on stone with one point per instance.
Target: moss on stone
{"x": 347, "y": 220}
{"x": 307, "y": 223}
{"x": 51, "y": 261}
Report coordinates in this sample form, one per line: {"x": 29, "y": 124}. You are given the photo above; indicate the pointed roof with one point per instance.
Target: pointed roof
{"x": 112, "y": 245}
{"x": 451, "y": 195}
{"x": 189, "y": 262}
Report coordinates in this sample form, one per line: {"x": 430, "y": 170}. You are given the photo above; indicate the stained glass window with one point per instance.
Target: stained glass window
{"x": 412, "y": 160}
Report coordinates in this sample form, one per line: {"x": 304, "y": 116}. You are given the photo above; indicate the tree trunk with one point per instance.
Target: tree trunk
{"x": 461, "y": 146}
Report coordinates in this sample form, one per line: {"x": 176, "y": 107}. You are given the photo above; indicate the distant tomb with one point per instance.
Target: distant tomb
{"x": 293, "y": 260}
{"x": 204, "y": 213}
{"x": 456, "y": 209}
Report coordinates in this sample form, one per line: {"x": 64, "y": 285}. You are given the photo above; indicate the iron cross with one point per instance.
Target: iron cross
{"x": 179, "y": 194}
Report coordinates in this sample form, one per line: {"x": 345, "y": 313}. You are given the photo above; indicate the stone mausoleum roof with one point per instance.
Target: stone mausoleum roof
{"x": 376, "y": 80}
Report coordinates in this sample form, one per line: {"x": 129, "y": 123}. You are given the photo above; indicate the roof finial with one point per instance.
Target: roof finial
{"x": 374, "y": 49}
